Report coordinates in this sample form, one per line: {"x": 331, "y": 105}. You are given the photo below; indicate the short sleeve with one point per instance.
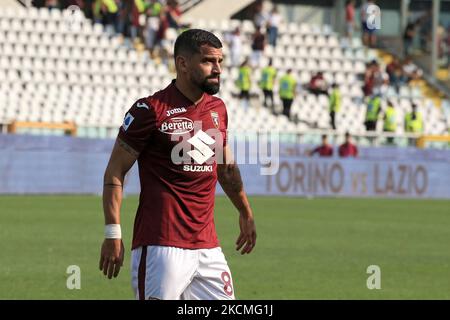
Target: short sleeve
{"x": 224, "y": 130}
{"x": 138, "y": 125}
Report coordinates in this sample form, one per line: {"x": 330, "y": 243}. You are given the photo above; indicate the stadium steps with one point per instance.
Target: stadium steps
{"x": 10, "y": 3}
{"x": 216, "y": 9}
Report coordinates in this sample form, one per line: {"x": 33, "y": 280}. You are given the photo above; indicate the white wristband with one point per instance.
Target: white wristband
{"x": 113, "y": 231}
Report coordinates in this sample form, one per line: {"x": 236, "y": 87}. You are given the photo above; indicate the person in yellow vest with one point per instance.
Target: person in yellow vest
{"x": 153, "y": 8}
{"x": 372, "y": 112}
{"x": 266, "y": 83}
{"x": 390, "y": 121}
{"x": 244, "y": 83}
{"x": 335, "y": 104}
{"x": 413, "y": 123}
{"x": 287, "y": 91}
{"x": 111, "y": 14}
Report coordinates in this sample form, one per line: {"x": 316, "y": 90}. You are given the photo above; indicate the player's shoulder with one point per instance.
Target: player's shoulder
{"x": 154, "y": 103}
{"x": 216, "y": 102}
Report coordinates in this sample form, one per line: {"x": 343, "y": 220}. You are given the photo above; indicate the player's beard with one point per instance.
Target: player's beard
{"x": 209, "y": 88}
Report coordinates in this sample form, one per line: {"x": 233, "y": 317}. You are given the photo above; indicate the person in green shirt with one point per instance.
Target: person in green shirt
{"x": 266, "y": 83}
{"x": 287, "y": 91}
{"x": 153, "y": 8}
{"x": 390, "y": 121}
{"x": 335, "y": 104}
{"x": 413, "y": 123}
{"x": 372, "y": 112}
{"x": 244, "y": 83}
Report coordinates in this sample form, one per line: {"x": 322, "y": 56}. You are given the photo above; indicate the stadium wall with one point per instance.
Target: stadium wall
{"x": 65, "y": 165}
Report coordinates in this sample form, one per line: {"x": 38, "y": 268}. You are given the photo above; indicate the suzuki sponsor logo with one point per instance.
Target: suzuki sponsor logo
{"x": 201, "y": 142}
{"x": 196, "y": 168}
{"x": 177, "y": 126}
{"x": 175, "y": 111}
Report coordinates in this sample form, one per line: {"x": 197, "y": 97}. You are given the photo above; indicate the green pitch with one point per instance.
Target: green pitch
{"x": 306, "y": 249}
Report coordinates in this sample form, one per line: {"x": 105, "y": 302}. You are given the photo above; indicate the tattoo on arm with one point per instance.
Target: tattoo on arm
{"x": 230, "y": 178}
{"x": 127, "y": 148}
{"x": 112, "y": 185}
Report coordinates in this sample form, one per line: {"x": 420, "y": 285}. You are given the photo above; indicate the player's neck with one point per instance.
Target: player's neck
{"x": 189, "y": 91}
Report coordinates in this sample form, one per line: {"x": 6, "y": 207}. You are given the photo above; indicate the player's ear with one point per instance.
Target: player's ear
{"x": 181, "y": 63}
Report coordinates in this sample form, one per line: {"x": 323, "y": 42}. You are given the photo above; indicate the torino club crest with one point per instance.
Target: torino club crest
{"x": 215, "y": 119}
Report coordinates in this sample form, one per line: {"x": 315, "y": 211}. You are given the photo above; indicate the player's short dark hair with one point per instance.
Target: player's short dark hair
{"x": 190, "y": 41}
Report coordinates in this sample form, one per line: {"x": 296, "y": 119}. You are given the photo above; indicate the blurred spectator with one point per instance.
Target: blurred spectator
{"x": 324, "y": 150}
{"x": 87, "y": 6}
{"x": 266, "y": 83}
{"x": 273, "y": 23}
{"x": 372, "y": 112}
{"x": 395, "y": 73}
{"x": 375, "y": 80}
{"x": 52, "y": 4}
{"x": 369, "y": 37}
{"x": 174, "y": 15}
{"x": 287, "y": 91}
{"x": 258, "y": 44}
{"x": 348, "y": 149}
{"x": 411, "y": 71}
{"x": 111, "y": 16}
{"x": 235, "y": 44}
{"x": 380, "y": 79}
{"x": 335, "y": 104}
{"x": 124, "y": 18}
{"x": 408, "y": 38}
{"x": 244, "y": 83}
{"x": 390, "y": 121}
{"x": 448, "y": 45}
{"x": 369, "y": 78}
{"x": 413, "y": 123}
{"x": 448, "y": 48}
{"x": 441, "y": 42}
{"x": 152, "y": 12}
{"x": 349, "y": 20}
{"x": 160, "y": 36}
{"x": 425, "y": 25}
{"x": 259, "y": 16}
{"x": 153, "y": 8}
{"x": 318, "y": 84}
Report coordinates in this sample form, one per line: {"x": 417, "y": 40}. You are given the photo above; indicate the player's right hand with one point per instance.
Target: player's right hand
{"x": 111, "y": 257}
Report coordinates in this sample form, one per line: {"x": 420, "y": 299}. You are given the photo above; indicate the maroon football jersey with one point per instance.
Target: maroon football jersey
{"x": 179, "y": 144}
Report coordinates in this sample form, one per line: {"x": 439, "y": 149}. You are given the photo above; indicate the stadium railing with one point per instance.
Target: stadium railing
{"x": 69, "y": 128}
{"x": 422, "y": 141}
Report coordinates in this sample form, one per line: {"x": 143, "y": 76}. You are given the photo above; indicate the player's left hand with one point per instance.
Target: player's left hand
{"x": 247, "y": 237}
{"x": 111, "y": 257}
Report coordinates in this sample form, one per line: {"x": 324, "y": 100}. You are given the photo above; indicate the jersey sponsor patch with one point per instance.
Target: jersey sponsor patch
{"x": 177, "y": 126}
{"x": 127, "y": 121}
